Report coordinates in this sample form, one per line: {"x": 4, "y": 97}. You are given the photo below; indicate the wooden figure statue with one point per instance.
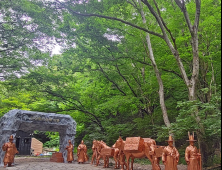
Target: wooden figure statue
{"x": 82, "y": 153}
{"x": 193, "y": 158}
{"x": 10, "y": 151}
{"x": 69, "y": 149}
{"x": 170, "y": 156}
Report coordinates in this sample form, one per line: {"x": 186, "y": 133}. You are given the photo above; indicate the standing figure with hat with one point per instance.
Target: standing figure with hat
{"x": 82, "y": 153}
{"x": 10, "y": 151}
{"x": 193, "y": 158}
{"x": 69, "y": 149}
{"x": 170, "y": 156}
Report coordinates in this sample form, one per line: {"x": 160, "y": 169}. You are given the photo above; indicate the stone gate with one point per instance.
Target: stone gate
{"x": 28, "y": 121}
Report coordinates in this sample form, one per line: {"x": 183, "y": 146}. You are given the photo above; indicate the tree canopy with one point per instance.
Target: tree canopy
{"x": 130, "y": 68}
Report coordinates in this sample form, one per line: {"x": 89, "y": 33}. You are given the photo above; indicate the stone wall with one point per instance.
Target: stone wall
{"x": 28, "y": 121}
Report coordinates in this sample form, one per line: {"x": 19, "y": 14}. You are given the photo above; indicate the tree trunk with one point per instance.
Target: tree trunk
{"x": 157, "y": 72}
{"x": 191, "y": 84}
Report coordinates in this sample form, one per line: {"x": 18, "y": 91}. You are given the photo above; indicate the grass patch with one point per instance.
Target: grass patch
{"x": 142, "y": 161}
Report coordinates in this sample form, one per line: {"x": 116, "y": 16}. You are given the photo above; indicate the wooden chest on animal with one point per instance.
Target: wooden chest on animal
{"x": 149, "y": 141}
{"x": 107, "y": 151}
{"x": 158, "y": 151}
{"x": 134, "y": 144}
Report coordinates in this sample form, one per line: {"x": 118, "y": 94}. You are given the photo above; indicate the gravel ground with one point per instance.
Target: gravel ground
{"x": 30, "y": 163}
{"x": 149, "y": 167}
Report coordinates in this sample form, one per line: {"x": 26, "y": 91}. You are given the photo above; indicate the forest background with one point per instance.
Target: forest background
{"x": 145, "y": 68}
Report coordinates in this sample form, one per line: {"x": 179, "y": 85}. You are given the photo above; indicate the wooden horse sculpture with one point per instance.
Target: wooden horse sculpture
{"x": 120, "y": 158}
{"x": 143, "y": 149}
{"x": 105, "y": 152}
{"x": 116, "y": 157}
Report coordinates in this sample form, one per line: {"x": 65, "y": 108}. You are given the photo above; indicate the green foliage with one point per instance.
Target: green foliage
{"x": 108, "y": 85}
{"x": 210, "y": 116}
{"x": 54, "y": 140}
{"x": 19, "y": 49}
{"x": 143, "y": 161}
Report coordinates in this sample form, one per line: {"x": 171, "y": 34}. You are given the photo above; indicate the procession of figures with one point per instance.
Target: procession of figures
{"x": 137, "y": 147}
{"x": 124, "y": 151}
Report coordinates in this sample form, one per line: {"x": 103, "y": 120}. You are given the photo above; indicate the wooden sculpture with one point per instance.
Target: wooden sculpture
{"x": 192, "y": 156}
{"x": 134, "y": 147}
{"x": 170, "y": 156}
{"x": 105, "y": 152}
{"x": 82, "y": 153}
{"x": 116, "y": 157}
{"x": 69, "y": 149}
{"x": 95, "y": 153}
{"x": 155, "y": 152}
{"x": 10, "y": 151}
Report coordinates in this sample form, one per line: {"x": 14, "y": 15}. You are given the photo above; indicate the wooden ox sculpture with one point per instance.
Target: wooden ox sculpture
{"x": 105, "y": 152}
{"x": 137, "y": 147}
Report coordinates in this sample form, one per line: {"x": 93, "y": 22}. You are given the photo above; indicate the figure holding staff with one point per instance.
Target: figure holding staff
{"x": 192, "y": 155}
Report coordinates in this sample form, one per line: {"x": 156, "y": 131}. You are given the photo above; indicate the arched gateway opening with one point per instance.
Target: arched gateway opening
{"x": 28, "y": 121}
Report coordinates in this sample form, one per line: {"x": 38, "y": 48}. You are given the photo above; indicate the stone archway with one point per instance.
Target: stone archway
{"x": 28, "y": 121}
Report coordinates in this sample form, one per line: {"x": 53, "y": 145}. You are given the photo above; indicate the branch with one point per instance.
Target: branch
{"x": 133, "y": 4}
{"x": 158, "y": 19}
{"x": 164, "y": 24}
{"x": 180, "y": 4}
{"x": 142, "y": 94}
{"x": 183, "y": 8}
{"x": 77, "y": 107}
{"x": 126, "y": 81}
{"x": 91, "y": 118}
{"x": 111, "y": 18}
{"x": 197, "y": 16}
{"x": 137, "y": 82}
{"x": 123, "y": 76}
{"x": 5, "y": 67}
{"x": 8, "y": 22}
{"x": 111, "y": 80}
{"x": 174, "y": 72}
{"x": 145, "y": 47}
{"x": 167, "y": 40}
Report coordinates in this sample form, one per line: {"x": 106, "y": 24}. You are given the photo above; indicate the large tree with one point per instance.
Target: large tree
{"x": 23, "y": 43}
{"x": 158, "y": 11}
{"x": 185, "y": 49}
